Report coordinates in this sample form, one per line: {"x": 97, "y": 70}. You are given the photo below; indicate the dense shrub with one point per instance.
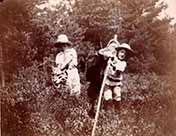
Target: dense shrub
{"x": 32, "y": 107}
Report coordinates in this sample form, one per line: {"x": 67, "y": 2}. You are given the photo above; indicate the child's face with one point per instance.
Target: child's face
{"x": 121, "y": 54}
{"x": 61, "y": 46}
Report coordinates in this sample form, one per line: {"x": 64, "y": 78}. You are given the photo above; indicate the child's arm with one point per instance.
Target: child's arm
{"x": 59, "y": 61}
{"x": 106, "y": 52}
{"x": 70, "y": 58}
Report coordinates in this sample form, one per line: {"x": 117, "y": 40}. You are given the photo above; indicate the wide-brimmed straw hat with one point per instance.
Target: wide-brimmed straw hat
{"x": 62, "y": 38}
{"x": 127, "y": 48}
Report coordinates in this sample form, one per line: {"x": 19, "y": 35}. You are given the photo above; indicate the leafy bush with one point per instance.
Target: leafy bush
{"x": 31, "y": 107}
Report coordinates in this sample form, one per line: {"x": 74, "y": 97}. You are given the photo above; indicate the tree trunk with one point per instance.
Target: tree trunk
{"x": 1, "y": 68}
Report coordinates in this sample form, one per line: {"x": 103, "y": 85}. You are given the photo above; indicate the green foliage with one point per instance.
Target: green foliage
{"x": 32, "y": 30}
{"x": 15, "y": 22}
{"x": 134, "y": 22}
{"x": 30, "y": 107}
{"x": 56, "y": 22}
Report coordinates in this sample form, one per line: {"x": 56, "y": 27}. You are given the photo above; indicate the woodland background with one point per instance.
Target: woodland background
{"x": 31, "y": 106}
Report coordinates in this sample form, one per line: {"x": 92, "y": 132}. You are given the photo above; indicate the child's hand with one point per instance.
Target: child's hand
{"x": 110, "y": 54}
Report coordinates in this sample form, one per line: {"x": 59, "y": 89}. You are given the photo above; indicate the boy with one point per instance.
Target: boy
{"x": 118, "y": 55}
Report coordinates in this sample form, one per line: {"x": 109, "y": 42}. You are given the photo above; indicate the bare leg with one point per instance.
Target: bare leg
{"x": 117, "y": 97}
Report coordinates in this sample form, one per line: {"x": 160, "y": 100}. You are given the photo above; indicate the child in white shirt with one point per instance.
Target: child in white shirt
{"x": 66, "y": 62}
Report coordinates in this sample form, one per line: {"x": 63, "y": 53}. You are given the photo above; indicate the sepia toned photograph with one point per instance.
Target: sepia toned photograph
{"x": 88, "y": 67}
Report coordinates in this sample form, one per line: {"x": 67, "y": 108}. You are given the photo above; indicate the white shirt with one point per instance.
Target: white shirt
{"x": 68, "y": 56}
